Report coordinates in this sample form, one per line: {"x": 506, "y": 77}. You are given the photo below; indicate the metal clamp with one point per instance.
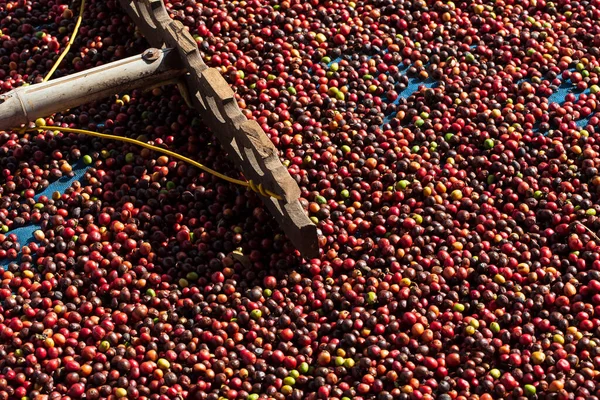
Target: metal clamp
{"x": 27, "y": 103}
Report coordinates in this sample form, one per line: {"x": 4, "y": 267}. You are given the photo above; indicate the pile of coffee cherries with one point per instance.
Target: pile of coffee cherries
{"x": 446, "y": 150}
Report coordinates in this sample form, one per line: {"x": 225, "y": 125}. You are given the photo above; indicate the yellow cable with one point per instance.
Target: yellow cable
{"x": 258, "y": 188}
{"x": 66, "y": 50}
{"x": 249, "y": 184}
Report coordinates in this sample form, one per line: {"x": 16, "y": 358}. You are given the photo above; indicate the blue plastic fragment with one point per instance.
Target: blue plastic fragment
{"x": 582, "y": 123}
{"x": 337, "y": 60}
{"x": 25, "y": 233}
{"x": 564, "y": 89}
{"x": 79, "y": 170}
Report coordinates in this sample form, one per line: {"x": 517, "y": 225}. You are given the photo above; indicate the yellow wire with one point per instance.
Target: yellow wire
{"x": 258, "y": 188}
{"x": 66, "y": 50}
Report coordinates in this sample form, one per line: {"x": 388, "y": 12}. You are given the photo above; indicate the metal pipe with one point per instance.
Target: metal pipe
{"x": 27, "y": 103}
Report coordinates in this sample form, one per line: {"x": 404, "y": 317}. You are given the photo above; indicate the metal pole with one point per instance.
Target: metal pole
{"x": 27, "y": 103}
{"x": 244, "y": 140}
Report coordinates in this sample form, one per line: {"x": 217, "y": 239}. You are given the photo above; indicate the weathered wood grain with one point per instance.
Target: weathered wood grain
{"x": 244, "y": 140}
